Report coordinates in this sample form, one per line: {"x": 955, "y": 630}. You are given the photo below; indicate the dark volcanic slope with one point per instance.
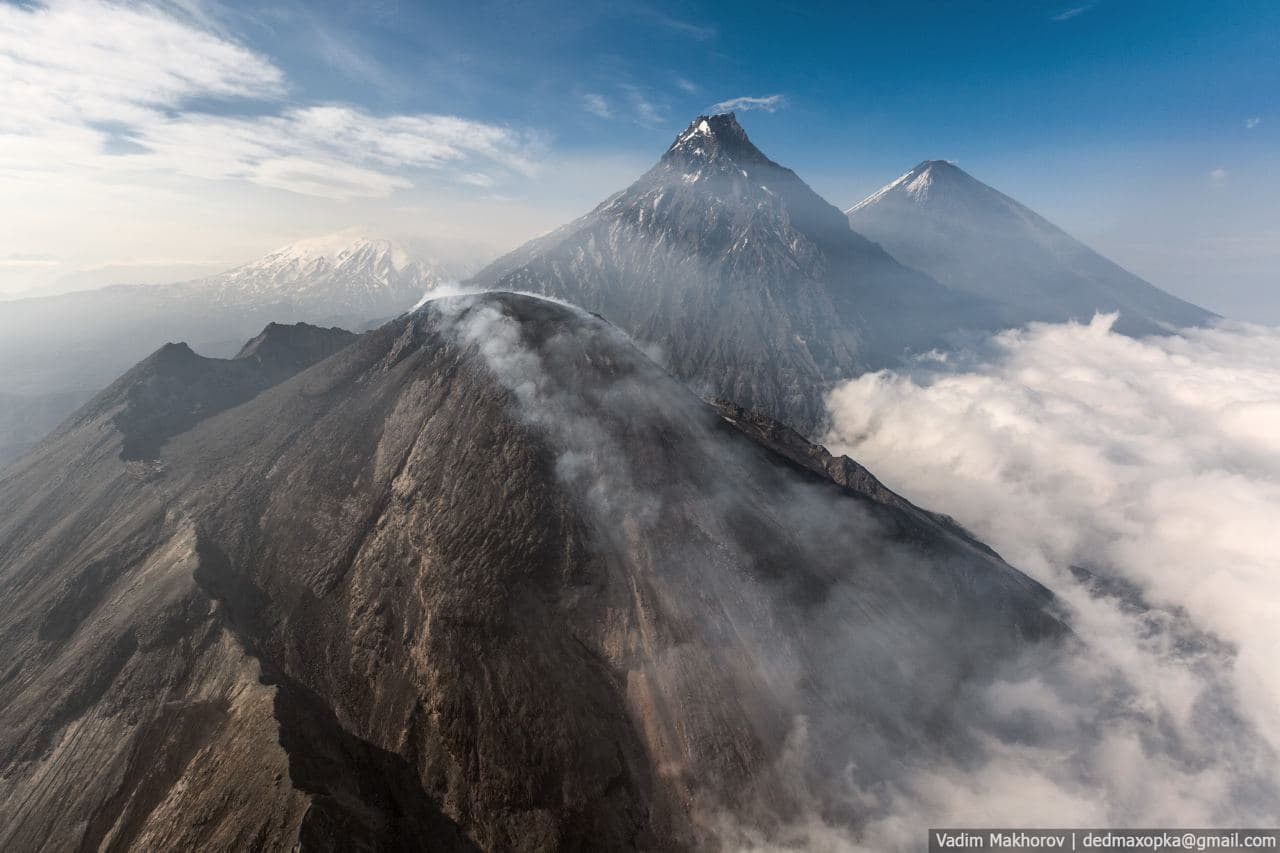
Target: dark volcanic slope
{"x": 976, "y": 240}
{"x": 488, "y": 578}
{"x": 174, "y": 388}
{"x": 26, "y": 418}
{"x": 753, "y": 286}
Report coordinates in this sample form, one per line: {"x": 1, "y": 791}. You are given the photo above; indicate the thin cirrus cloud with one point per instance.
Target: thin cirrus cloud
{"x": 1074, "y": 11}
{"x": 596, "y": 105}
{"x": 331, "y": 151}
{"x": 1252, "y": 122}
{"x": 768, "y": 103}
{"x": 631, "y": 102}
{"x": 643, "y": 109}
{"x": 99, "y": 88}
{"x": 690, "y": 29}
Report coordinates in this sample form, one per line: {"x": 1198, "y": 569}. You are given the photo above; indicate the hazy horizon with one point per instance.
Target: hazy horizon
{"x": 189, "y": 137}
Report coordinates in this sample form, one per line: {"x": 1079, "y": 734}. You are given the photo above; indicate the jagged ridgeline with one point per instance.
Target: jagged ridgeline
{"x": 485, "y": 578}
{"x": 753, "y": 287}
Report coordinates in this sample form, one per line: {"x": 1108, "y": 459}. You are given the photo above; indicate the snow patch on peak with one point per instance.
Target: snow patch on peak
{"x": 721, "y": 128}
{"x": 915, "y": 184}
{"x": 919, "y": 185}
{"x": 883, "y": 191}
{"x": 345, "y": 274}
{"x": 698, "y": 128}
{"x": 339, "y": 248}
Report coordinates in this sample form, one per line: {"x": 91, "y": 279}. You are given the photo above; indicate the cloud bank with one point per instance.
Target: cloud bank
{"x": 1153, "y": 467}
{"x": 108, "y": 90}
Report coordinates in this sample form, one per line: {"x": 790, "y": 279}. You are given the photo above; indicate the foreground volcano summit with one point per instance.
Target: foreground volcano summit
{"x": 752, "y": 286}
{"x": 484, "y": 578}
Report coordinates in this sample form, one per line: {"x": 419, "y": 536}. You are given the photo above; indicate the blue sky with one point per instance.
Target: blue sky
{"x": 1149, "y": 129}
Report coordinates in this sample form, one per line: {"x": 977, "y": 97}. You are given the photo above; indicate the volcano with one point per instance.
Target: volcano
{"x": 751, "y": 286}
{"x": 484, "y": 578}
{"x": 977, "y": 241}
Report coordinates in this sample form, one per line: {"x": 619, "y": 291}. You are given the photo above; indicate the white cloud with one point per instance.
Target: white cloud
{"x": 105, "y": 89}
{"x": 1068, "y": 14}
{"x": 1252, "y": 122}
{"x": 596, "y": 104}
{"x": 643, "y": 110}
{"x": 344, "y": 57}
{"x": 91, "y": 61}
{"x": 476, "y": 179}
{"x": 332, "y": 151}
{"x": 696, "y": 31}
{"x": 1154, "y": 462}
{"x": 686, "y": 85}
{"x": 1218, "y": 174}
{"x": 768, "y": 103}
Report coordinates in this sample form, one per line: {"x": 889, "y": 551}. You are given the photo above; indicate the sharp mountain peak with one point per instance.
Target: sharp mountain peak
{"x": 753, "y": 284}
{"x": 929, "y": 179}
{"x": 712, "y": 137}
{"x": 976, "y": 240}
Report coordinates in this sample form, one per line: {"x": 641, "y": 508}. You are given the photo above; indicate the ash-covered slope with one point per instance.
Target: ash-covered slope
{"x": 939, "y": 219}
{"x": 753, "y": 286}
{"x": 485, "y": 578}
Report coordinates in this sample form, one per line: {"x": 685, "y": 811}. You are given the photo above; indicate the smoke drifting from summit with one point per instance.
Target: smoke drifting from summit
{"x": 827, "y": 632}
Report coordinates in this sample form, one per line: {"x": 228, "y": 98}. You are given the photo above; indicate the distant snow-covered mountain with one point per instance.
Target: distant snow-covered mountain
{"x": 343, "y": 274}
{"x": 975, "y": 240}
{"x": 56, "y": 351}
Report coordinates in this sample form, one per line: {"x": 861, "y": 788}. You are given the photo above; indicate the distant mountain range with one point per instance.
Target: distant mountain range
{"x": 57, "y": 351}
{"x": 748, "y": 285}
{"x": 975, "y": 240}
{"x": 755, "y": 289}
{"x": 485, "y": 578}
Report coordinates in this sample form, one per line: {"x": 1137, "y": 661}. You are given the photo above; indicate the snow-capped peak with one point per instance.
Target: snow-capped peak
{"x": 883, "y": 191}
{"x": 919, "y": 185}
{"x": 709, "y": 134}
{"x": 352, "y": 245}
{"x": 915, "y": 184}
{"x": 350, "y": 272}
{"x": 700, "y": 127}
{"x": 717, "y": 141}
